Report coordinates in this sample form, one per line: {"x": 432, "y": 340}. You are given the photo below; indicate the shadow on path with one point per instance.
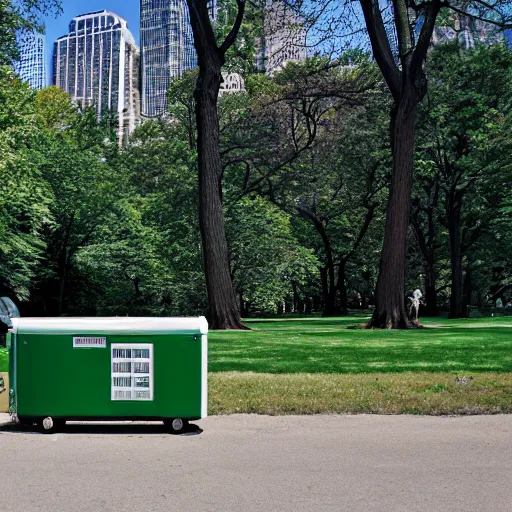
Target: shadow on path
{"x": 103, "y": 428}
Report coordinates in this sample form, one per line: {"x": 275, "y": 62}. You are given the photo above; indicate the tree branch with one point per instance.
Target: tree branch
{"x": 231, "y": 37}
{"x": 419, "y": 55}
{"x": 501, "y": 24}
{"x": 380, "y": 46}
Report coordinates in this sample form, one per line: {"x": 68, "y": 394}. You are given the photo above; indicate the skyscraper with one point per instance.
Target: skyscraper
{"x": 167, "y": 49}
{"x": 284, "y": 37}
{"x": 469, "y": 31}
{"x": 97, "y": 64}
{"x": 31, "y": 66}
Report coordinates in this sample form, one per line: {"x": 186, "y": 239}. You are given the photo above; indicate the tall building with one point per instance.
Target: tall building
{"x": 284, "y": 37}
{"x": 97, "y": 63}
{"x": 469, "y": 32}
{"x": 167, "y": 49}
{"x": 31, "y": 67}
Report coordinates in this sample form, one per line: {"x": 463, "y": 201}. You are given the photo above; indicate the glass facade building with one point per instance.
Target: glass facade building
{"x": 31, "y": 67}
{"x": 284, "y": 37}
{"x": 167, "y": 49}
{"x": 97, "y": 64}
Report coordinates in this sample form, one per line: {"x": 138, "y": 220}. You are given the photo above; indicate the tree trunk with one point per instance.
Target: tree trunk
{"x": 297, "y": 303}
{"x": 467, "y": 290}
{"x": 390, "y": 311}
{"x": 342, "y": 287}
{"x": 62, "y": 288}
{"x": 431, "y": 308}
{"x": 328, "y": 289}
{"x": 427, "y": 244}
{"x": 222, "y": 310}
{"x": 63, "y": 274}
{"x": 453, "y": 214}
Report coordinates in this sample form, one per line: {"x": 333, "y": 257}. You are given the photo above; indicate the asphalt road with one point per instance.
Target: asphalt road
{"x": 259, "y": 463}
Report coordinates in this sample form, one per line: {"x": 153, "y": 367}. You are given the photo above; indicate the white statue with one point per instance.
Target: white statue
{"x": 414, "y": 309}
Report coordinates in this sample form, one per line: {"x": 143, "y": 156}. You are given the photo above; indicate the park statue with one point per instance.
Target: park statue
{"x": 414, "y": 309}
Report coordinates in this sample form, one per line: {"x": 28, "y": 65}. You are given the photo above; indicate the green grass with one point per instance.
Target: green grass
{"x": 326, "y": 345}
{"x": 4, "y": 363}
{"x": 321, "y": 365}
{"x": 388, "y": 393}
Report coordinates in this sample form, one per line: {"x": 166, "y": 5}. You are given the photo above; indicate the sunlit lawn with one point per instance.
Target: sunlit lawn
{"x": 317, "y": 365}
{"x": 326, "y": 345}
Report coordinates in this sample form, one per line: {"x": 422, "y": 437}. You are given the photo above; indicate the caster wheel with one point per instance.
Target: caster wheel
{"x": 51, "y": 425}
{"x": 176, "y": 425}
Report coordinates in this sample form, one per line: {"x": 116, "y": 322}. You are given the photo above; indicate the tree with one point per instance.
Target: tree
{"x": 400, "y": 33}
{"x": 222, "y": 309}
{"x": 465, "y": 129}
{"x": 25, "y": 196}
{"x": 425, "y": 223}
{"x": 54, "y": 109}
{"x": 268, "y": 264}
{"x": 78, "y": 163}
{"x": 283, "y": 142}
{"x": 181, "y": 105}
{"x": 122, "y": 271}
{"x": 163, "y": 172}
{"x": 20, "y": 18}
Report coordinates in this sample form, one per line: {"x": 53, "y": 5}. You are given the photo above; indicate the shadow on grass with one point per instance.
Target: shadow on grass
{"x": 305, "y": 324}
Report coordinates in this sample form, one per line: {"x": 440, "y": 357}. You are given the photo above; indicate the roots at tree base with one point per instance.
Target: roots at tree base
{"x": 392, "y": 321}
{"x": 226, "y": 323}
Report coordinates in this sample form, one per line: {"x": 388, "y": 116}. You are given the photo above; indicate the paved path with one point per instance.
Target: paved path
{"x": 259, "y": 463}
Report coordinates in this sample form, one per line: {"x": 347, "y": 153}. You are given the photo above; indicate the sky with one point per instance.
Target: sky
{"x": 56, "y": 27}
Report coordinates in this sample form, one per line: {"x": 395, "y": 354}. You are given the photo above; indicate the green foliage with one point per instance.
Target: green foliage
{"x": 4, "y": 360}
{"x": 89, "y": 228}
{"x": 243, "y": 55}
{"x": 464, "y": 150}
{"x": 266, "y": 259}
{"x": 25, "y": 197}
{"x": 54, "y": 109}
{"x": 284, "y": 143}
{"x": 122, "y": 271}
{"x": 145, "y": 259}
{"x": 181, "y": 104}
{"x": 21, "y": 17}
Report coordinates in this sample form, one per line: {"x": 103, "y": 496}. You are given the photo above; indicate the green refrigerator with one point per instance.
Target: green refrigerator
{"x": 119, "y": 368}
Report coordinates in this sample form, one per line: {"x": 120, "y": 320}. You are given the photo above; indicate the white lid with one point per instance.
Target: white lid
{"x": 110, "y": 325}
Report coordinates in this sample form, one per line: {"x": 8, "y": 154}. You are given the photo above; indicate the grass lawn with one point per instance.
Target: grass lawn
{"x": 321, "y": 365}
{"x": 4, "y": 363}
{"x": 325, "y": 345}
{"x": 384, "y": 393}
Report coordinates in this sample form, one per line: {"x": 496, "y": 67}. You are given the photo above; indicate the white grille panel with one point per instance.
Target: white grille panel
{"x": 132, "y": 371}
